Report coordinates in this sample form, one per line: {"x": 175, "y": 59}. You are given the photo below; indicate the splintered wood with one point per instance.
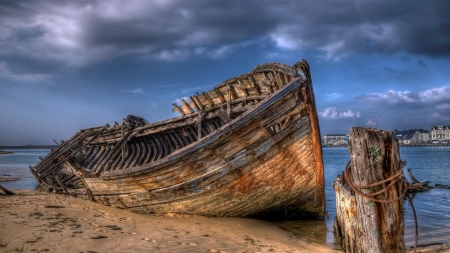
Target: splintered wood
{"x": 365, "y": 222}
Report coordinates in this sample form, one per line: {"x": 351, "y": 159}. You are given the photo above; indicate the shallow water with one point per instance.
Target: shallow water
{"x": 428, "y": 163}
{"x": 16, "y": 165}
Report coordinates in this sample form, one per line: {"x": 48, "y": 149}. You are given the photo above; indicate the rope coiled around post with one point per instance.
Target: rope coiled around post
{"x": 372, "y": 196}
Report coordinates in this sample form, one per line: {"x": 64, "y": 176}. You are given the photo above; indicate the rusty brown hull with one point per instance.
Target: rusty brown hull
{"x": 261, "y": 157}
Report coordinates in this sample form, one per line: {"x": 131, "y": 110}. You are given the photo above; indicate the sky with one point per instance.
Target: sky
{"x": 68, "y": 65}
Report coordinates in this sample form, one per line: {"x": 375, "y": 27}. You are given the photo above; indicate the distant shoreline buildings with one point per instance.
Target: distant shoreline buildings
{"x": 438, "y": 135}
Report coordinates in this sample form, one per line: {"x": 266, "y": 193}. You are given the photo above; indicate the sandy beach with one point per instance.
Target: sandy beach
{"x": 35, "y": 221}
{"x": 42, "y": 222}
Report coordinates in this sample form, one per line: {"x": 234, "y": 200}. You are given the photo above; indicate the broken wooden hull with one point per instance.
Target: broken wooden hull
{"x": 261, "y": 158}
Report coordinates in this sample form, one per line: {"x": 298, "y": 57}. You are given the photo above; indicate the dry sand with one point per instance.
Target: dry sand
{"x": 38, "y": 221}
{"x": 34, "y": 221}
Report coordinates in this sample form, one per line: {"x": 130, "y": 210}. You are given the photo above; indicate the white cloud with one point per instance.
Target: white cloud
{"x": 136, "y": 91}
{"x": 334, "y": 51}
{"x": 438, "y": 96}
{"x": 285, "y": 37}
{"x": 333, "y": 113}
{"x": 371, "y": 122}
{"x": 178, "y": 100}
{"x": 439, "y": 117}
{"x": 444, "y": 106}
{"x": 222, "y": 51}
{"x": 334, "y": 95}
{"x": 172, "y": 55}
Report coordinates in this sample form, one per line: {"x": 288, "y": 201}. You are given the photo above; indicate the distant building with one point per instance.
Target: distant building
{"x": 440, "y": 133}
{"x": 336, "y": 139}
{"x": 425, "y": 136}
{"x": 412, "y": 136}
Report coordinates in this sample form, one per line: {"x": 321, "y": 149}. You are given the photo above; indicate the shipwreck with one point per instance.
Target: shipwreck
{"x": 250, "y": 147}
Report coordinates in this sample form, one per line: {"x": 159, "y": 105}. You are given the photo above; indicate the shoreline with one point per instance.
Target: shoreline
{"x": 5, "y": 152}
{"x": 8, "y": 179}
{"x": 41, "y": 221}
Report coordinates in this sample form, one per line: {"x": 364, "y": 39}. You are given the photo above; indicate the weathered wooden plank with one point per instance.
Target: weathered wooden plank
{"x": 154, "y": 148}
{"x": 144, "y": 154}
{"x": 6, "y": 191}
{"x": 372, "y": 219}
{"x": 254, "y": 85}
{"x": 253, "y": 135}
{"x": 234, "y": 197}
{"x": 197, "y": 102}
{"x": 102, "y": 160}
{"x": 176, "y": 108}
{"x": 162, "y": 148}
{"x": 235, "y": 169}
{"x": 58, "y": 180}
{"x": 209, "y": 99}
{"x": 275, "y": 80}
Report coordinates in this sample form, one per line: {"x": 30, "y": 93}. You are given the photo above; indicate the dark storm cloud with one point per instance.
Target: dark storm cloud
{"x": 83, "y": 32}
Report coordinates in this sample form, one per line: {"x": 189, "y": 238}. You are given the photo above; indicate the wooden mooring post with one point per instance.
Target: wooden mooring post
{"x": 370, "y": 193}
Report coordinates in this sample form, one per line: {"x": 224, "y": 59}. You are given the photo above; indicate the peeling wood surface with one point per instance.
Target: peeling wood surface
{"x": 262, "y": 159}
{"x": 361, "y": 224}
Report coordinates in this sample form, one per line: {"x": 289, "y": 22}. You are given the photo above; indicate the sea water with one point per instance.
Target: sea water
{"x": 428, "y": 163}
{"x": 16, "y": 165}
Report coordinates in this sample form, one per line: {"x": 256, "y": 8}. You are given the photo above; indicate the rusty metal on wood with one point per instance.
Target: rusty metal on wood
{"x": 261, "y": 159}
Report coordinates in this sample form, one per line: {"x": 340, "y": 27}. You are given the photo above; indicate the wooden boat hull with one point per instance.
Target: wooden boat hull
{"x": 265, "y": 163}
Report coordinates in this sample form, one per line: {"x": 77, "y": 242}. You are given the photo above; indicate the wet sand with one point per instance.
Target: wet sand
{"x": 38, "y": 221}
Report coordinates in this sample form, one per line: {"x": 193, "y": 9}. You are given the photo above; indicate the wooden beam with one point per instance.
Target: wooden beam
{"x": 242, "y": 87}
{"x": 199, "y": 126}
{"x": 178, "y": 109}
{"x": 188, "y": 107}
{"x": 255, "y": 84}
{"x": 219, "y": 94}
{"x": 211, "y": 102}
{"x": 275, "y": 80}
{"x": 229, "y": 101}
{"x": 61, "y": 184}
{"x": 268, "y": 82}
{"x": 197, "y": 102}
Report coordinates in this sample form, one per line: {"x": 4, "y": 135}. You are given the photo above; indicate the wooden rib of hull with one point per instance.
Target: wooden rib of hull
{"x": 259, "y": 157}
